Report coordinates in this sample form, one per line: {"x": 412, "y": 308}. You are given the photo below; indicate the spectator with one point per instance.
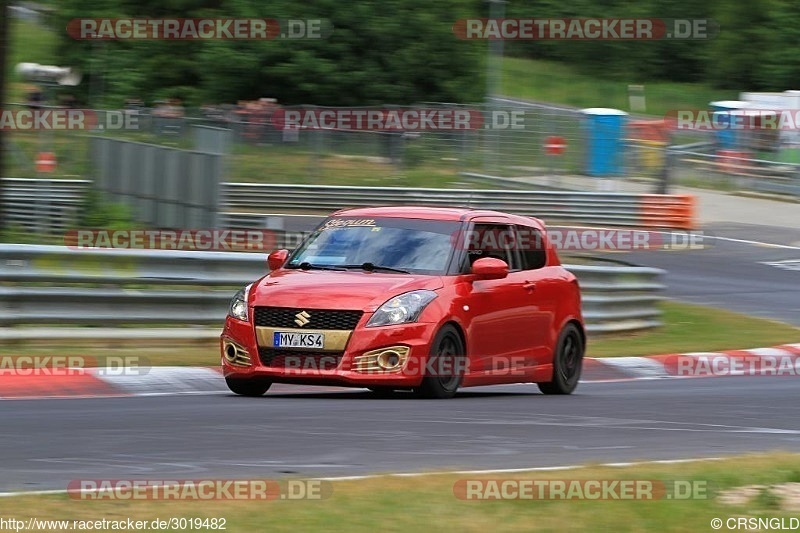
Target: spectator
{"x": 35, "y": 98}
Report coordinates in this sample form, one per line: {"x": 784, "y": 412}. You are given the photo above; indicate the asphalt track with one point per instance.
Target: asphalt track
{"x": 737, "y": 271}
{"x": 47, "y": 443}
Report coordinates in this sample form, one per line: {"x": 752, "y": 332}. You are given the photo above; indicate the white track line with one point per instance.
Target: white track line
{"x": 705, "y": 236}
{"x": 756, "y": 243}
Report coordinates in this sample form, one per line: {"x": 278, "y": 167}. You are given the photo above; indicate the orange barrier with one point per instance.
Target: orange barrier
{"x": 676, "y": 211}
{"x": 649, "y": 130}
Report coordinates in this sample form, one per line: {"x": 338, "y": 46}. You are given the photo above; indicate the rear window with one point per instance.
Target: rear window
{"x": 531, "y": 247}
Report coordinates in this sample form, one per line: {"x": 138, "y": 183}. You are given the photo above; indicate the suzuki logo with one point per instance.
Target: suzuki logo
{"x": 302, "y": 318}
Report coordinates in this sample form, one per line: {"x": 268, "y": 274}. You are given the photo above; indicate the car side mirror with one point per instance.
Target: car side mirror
{"x": 490, "y": 268}
{"x": 276, "y": 259}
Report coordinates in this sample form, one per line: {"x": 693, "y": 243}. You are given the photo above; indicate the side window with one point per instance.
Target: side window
{"x": 531, "y": 247}
{"x": 492, "y": 240}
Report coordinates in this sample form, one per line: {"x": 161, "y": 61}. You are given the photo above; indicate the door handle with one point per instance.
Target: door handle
{"x": 529, "y": 285}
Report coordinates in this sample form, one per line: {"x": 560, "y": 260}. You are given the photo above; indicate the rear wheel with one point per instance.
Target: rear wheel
{"x": 445, "y": 369}
{"x": 248, "y": 386}
{"x": 567, "y": 362}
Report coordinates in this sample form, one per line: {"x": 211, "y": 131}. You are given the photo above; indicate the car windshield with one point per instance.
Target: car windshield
{"x": 379, "y": 244}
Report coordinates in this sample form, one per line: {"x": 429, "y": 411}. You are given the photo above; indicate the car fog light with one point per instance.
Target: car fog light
{"x": 389, "y": 360}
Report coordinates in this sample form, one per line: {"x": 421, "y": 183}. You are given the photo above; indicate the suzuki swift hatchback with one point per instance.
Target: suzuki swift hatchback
{"x": 416, "y": 298}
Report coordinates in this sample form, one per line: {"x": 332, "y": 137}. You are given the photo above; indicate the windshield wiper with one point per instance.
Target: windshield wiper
{"x": 369, "y": 267}
{"x": 305, "y": 265}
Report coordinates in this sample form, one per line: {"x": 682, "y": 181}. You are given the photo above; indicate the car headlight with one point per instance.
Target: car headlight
{"x": 238, "y": 307}
{"x": 402, "y": 309}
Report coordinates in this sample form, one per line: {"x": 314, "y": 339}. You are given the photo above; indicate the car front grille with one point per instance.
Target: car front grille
{"x": 284, "y": 317}
{"x": 298, "y": 360}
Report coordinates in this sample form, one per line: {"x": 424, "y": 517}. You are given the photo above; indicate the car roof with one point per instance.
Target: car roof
{"x": 432, "y": 213}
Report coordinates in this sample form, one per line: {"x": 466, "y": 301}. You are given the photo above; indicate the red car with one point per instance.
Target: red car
{"x": 415, "y": 298}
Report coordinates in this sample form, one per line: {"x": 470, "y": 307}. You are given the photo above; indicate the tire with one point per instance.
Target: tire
{"x": 249, "y": 386}
{"x": 567, "y": 362}
{"x": 447, "y": 345}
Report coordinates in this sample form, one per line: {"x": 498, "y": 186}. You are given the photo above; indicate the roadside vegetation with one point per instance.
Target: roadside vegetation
{"x": 424, "y": 503}
{"x": 559, "y": 83}
{"x": 365, "y": 161}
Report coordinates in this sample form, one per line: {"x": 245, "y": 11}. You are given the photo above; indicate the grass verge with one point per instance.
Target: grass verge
{"x": 423, "y": 503}
{"x": 555, "y": 82}
{"x": 692, "y": 328}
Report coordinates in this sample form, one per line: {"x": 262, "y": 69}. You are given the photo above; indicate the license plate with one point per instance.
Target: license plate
{"x": 283, "y": 339}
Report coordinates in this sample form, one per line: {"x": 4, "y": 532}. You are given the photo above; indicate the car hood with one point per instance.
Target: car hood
{"x": 323, "y": 289}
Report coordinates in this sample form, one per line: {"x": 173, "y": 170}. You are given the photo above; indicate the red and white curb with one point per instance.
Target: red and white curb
{"x": 174, "y": 380}
{"x": 104, "y": 382}
{"x": 783, "y": 360}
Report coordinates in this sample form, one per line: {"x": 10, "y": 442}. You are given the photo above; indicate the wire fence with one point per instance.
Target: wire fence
{"x": 734, "y": 172}
{"x": 510, "y": 140}
{"x": 513, "y": 141}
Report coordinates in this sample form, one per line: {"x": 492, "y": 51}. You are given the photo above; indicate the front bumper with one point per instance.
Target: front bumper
{"x": 355, "y": 366}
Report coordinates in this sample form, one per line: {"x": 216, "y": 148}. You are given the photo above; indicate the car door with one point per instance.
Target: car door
{"x": 542, "y": 291}
{"x": 501, "y": 310}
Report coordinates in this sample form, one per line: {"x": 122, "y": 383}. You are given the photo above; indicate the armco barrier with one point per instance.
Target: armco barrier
{"x": 619, "y": 298}
{"x": 59, "y": 285}
{"x": 45, "y": 206}
{"x": 608, "y": 209}
{"x": 50, "y": 206}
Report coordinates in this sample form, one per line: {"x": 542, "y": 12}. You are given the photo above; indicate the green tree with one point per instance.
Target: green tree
{"x": 633, "y": 60}
{"x": 779, "y": 65}
{"x": 389, "y": 51}
{"x": 742, "y": 45}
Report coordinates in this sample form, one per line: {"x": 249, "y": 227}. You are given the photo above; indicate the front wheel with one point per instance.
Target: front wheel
{"x": 445, "y": 370}
{"x": 248, "y": 386}
{"x": 567, "y": 362}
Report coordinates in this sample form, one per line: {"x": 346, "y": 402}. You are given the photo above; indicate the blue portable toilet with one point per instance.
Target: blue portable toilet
{"x": 727, "y": 138}
{"x": 604, "y": 130}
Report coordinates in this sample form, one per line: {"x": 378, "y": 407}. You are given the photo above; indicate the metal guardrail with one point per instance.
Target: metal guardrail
{"x": 619, "y": 298}
{"x": 25, "y": 263}
{"x": 50, "y": 206}
{"x": 45, "y": 206}
{"x": 736, "y": 171}
{"x": 59, "y": 285}
{"x": 115, "y": 286}
{"x": 615, "y": 209}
